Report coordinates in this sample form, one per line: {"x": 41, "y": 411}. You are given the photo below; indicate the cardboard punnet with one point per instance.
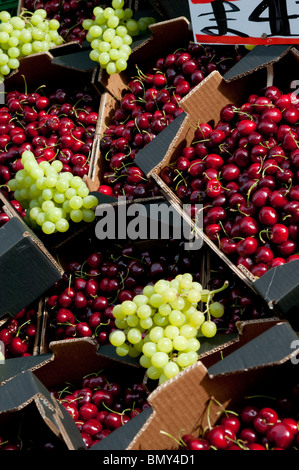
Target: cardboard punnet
{"x": 29, "y": 415}
{"x": 178, "y": 406}
{"x": 203, "y": 104}
{"x": 72, "y": 360}
{"x": 27, "y": 269}
{"x": 45, "y": 70}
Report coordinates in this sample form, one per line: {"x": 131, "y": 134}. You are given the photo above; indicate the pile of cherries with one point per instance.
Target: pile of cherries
{"x": 70, "y": 15}
{"x": 150, "y": 103}
{"x": 81, "y": 303}
{"x": 244, "y": 171}
{"x": 19, "y": 332}
{"x": 53, "y": 124}
{"x": 102, "y": 403}
{"x": 262, "y": 423}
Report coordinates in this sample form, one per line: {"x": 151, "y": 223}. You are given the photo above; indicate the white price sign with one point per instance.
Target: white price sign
{"x": 259, "y": 22}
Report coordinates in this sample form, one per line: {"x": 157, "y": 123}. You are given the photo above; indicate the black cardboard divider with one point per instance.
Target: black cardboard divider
{"x": 25, "y": 389}
{"x": 257, "y": 58}
{"x": 275, "y": 345}
{"x": 27, "y": 269}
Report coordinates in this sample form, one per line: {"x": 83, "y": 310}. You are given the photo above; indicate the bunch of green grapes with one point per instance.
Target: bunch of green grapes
{"x": 51, "y": 198}
{"x": 111, "y": 34}
{"x": 163, "y": 325}
{"x": 24, "y": 35}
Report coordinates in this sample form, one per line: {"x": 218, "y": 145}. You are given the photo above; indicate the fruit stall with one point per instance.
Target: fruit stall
{"x": 149, "y": 227}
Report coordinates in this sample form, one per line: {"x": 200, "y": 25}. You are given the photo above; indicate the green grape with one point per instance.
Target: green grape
{"x": 104, "y": 59}
{"x": 76, "y": 215}
{"x": 156, "y": 300}
{"x": 121, "y": 31}
{"x": 111, "y": 68}
{"x": 149, "y": 348}
{"x": 47, "y": 205}
{"x": 122, "y": 350}
{"x": 128, "y": 13}
{"x": 88, "y": 215}
{"x": 134, "y": 336}
{"x": 62, "y": 225}
{"x": 108, "y": 12}
{"x": 13, "y": 64}
{"x": 193, "y": 345}
{"x": 171, "y": 369}
{"x": 176, "y": 318}
{"x": 156, "y": 333}
{"x": 180, "y": 343}
{"x": 83, "y": 191}
{"x": 104, "y": 46}
{"x": 114, "y": 54}
{"x": 144, "y": 361}
{"x": 117, "y": 4}
{"x": 160, "y": 320}
{"x": 5, "y": 16}
{"x": 109, "y": 34}
{"x": 5, "y": 70}
{"x": 216, "y": 309}
{"x": 148, "y": 291}
{"x": 54, "y": 24}
{"x": 197, "y": 319}
{"x": 169, "y": 294}
{"x": 48, "y": 227}
{"x": 128, "y": 307}
{"x": 117, "y": 338}
{"x": 208, "y": 328}
{"x": 113, "y": 21}
{"x": 132, "y": 321}
{"x": 154, "y": 373}
{"x": 121, "y": 324}
{"x": 41, "y": 218}
{"x": 171, "y": 331}
{"x": 159, "y": 359}
{"x": 76, "y": 202}
{"x": 47, "y": 194}
{"x": 165, "y": 309}
{"x": 160, "y": 286}
{"x": 165, "y": 345}
{"x": 146, "y": 323}
{"x": 144, "y": 311}
{"x": 117, "y": 312}
{"x": 183, "y": 360}
{"x": 34, "y": 211}
{"x": 121, "y": 64}
{"x": 188, "y": 331}
{"x": 95, "y": 31}
{"x": 54, "y": 214}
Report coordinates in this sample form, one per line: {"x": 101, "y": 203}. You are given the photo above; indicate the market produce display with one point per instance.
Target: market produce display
{"x": 164, "y": 316}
